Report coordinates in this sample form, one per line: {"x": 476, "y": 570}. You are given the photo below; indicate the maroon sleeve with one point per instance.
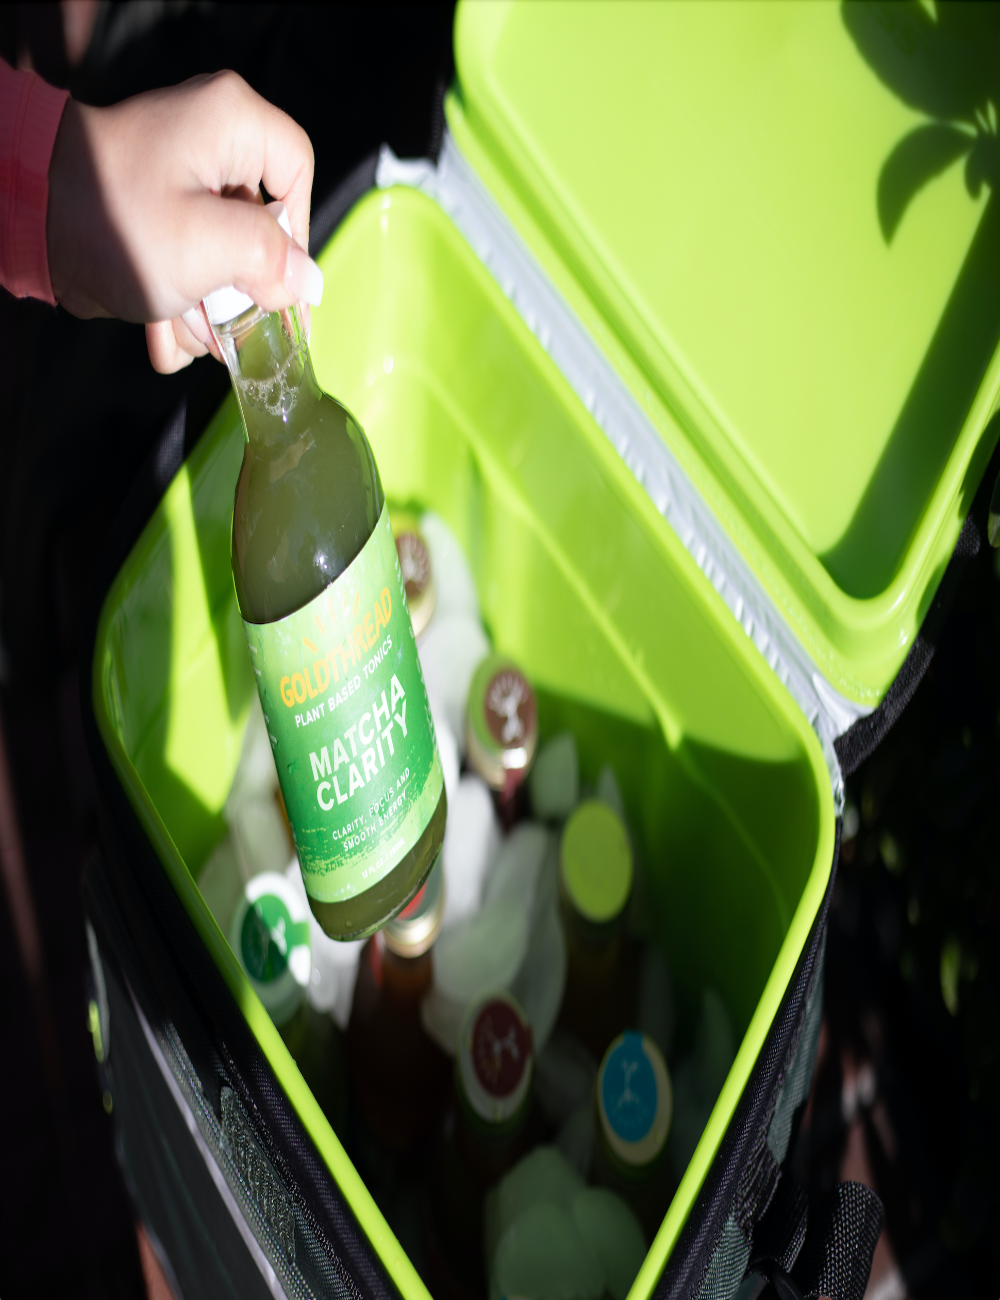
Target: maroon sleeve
{"x": 30, "y": 112}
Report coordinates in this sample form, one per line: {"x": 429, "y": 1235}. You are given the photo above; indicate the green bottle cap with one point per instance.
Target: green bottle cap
{"x": 595, "y": 862}
{"x": 495, "y": 1061}
{"x": 634, "y": 1101}
{"x": 501, "y": 724}
{"x": 269, "y": 933}
{"x": 416, "y": 570}
{"x": 414, "y": 929}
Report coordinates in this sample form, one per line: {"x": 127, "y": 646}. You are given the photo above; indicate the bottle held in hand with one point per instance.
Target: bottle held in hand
{"x": 324, "y": 609}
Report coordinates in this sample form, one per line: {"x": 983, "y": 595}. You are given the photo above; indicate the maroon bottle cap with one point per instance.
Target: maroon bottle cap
{"x": 496, "y": 1059}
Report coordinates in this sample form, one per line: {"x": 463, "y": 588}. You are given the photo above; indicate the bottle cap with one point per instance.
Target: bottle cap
{"x": 634, "y": 1100}
{"x": 416, "y": 570}
{"x": 501, "y": 725}
{"x": 595, "y": 862}
{"x": 414, "y": 929}
{"x": 269, "y": 933}
{"x": 224, "y": 305}
{"x": 495, "y": 1060}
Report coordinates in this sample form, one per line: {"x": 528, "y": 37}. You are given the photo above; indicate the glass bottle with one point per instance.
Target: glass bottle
{"x": 501, "y": 732}
{"x": 595, "y": 882}
{"x": 269, "y": 933}
{"x": 324, "y": 609}
{"x": 417, "y": 570}
{"x": 484, "y": 1133}
{"x": 400, "y": 1076}
{"x": 633, "y": 1100}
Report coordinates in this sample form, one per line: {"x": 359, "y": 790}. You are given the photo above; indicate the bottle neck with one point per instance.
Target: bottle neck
{"x": 268, "y": 359}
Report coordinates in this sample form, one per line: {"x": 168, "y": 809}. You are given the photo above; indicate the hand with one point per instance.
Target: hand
{"x": 144, "y": 217}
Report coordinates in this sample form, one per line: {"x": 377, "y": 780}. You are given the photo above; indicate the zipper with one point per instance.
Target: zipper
{"x": 458, "y": 191}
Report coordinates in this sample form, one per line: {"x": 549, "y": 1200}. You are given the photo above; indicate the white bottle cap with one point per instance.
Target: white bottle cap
{"x": 223, "y": 305}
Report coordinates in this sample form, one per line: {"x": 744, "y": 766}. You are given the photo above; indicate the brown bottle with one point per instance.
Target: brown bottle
{"x": 484, "y": 1133}
{"x": 400, "y": 1076}
{"x": 595, "y": 882}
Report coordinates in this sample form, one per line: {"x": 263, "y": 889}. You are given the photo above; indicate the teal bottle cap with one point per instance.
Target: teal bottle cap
{"x": 634, "y": 1100}
{"x": 495, "y": 1059}
{"x": 269, "y": 933}
{"x": 595, "y": 862}
{"x": 501, "y": 725}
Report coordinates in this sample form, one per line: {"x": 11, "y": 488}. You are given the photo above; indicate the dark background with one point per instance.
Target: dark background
{"x": 907, "y": 1093}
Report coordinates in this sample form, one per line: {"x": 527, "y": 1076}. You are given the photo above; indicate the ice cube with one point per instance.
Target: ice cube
{"x": 690, "y": 1115}
{"x": 456, "y": 589}
{"x": 450, "y": 651}
{"x": 448, "y": 751}
{"x": 518, "y": 865}
{"x": 543, "y": 1254}
{"x": 612, "y": 1231}
{"x": 575, "y": 1140}
{"x": 564, "y": 1077}
{"x": 221, "y": 884}
{"x": 656, "y": 1013}
{"x": 441, "y": 1018}
{"x": 334, "y": 964}
{"x": 554, "y": 783}
{"x": 481, "y": 953}
{"x": 543, "y": 1177}
{"x": 471, "y": 841}
{"x": 713, "y": 1045}
{"x": 260, "y": 836}
{"x": 256, "y": 776}
{"x": 609, "y": 792}
{"x": 541, "y": 981}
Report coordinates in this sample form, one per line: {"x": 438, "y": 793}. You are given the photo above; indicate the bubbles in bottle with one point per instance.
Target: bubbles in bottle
{"x": 276, "y": 393}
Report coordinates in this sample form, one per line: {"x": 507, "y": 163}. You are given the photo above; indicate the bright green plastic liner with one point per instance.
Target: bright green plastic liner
{"x": 777, "y": 222}
{"x": 627, "y": 644}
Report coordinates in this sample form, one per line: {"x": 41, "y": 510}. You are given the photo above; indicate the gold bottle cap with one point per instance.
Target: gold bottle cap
{"x": 501, "y": 723}
{"x": 414, "y": 929}
{"x": 415, "y": 565}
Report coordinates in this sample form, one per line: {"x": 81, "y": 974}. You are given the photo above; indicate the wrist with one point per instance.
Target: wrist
{"x": 74, "y": 200}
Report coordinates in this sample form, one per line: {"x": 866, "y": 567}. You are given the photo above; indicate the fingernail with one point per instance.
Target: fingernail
{"x": 303, "y": 278}
{"x": 197, "y": 324}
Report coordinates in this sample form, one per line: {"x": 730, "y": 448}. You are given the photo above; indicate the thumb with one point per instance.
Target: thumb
{"x": 241, "y": 244}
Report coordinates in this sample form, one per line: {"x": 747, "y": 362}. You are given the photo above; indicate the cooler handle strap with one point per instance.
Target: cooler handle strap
{"x": 824, "y": 1253}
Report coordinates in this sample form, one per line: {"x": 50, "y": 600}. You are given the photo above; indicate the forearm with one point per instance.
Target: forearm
{"x": 30, "y": 113}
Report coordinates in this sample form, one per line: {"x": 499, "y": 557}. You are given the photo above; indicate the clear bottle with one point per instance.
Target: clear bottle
{"x": 400, "y": 1076}
{"x": 595, "y": 883}
{"x": 324, "y": 609}
{"x": 484, "y": 1133}
{"x": 269, "y": 933}
{"x": 633, "y": 1101}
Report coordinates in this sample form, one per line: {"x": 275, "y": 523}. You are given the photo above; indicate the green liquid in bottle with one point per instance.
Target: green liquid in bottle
{"x": 309, "y": 501}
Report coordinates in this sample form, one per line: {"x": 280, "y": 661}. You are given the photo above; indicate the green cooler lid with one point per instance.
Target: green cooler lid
{"x": 777, "y": 221}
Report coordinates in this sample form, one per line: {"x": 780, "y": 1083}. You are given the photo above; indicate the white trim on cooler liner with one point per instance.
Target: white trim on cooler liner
{"x": 461, "y": 194}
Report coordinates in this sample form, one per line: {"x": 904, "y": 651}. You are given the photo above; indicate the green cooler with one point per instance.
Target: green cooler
{"x": 689, "y": 334}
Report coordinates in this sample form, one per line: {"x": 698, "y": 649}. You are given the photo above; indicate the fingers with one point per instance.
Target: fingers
{"x": 267, "y": 146}
{"x": 242, "y": 244}
{"x": 172, "y": 346}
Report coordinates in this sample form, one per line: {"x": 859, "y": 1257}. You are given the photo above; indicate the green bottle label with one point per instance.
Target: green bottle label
{"x": 343, "y": 696}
